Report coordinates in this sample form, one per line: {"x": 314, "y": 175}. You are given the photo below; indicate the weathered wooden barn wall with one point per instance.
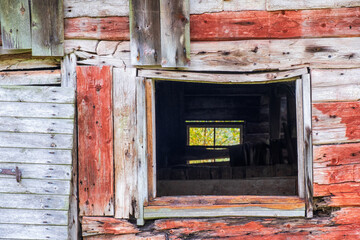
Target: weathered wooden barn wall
{"x": 240, "y": 36}
{"x": 37, "y": 113}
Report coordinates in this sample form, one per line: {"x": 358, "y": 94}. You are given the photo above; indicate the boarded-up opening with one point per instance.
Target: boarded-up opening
{"x": 226, "y": 139}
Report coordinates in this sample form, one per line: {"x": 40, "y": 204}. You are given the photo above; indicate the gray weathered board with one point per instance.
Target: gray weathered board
{"x": 47, "y": 28}
{"x": 145, "y": 32}
{"x": 15, "y": 24}
{"x": 36, "y": 135}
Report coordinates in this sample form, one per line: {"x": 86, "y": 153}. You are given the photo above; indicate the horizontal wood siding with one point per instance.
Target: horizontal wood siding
{"x": 232, "y": 25}
{"x": 250, "y": 55}
{"x": 36, "y": 135}
{"x": 95, "y": 139}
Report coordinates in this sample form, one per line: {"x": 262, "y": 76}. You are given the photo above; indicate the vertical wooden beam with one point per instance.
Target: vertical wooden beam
{"x": 95, "y": 150}
{"x": 141, "y": 148}
{"x": 175, "y": 33}
{"x": 15, "y": 24}
{"x": 300, "y": 137}
{"x": 124, "y": 97}
{"x": 145, "y": 32}
{"x": 308, "y": 151}
{"x": 151, "y": 136}
{"x": 47, "y": 18}
{"x": 68, "y": 71}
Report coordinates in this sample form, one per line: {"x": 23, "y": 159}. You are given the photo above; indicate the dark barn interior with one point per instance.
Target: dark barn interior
{"x": 226, "y": 139}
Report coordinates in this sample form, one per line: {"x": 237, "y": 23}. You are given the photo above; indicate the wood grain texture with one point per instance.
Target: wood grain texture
{"x": 15, "y": 24}
{"x": 145, "y": 32}
{"x": 95, "y": 137}
{"x": 309, "y": 4}
{"x": 68, "y": 71}
{"x": 175, "y": 33}
{"x": 35, "y": 186}
{"x": 32, "y": 201}
{"x": 232, "y": 25}
{"x": 30, "y": 78}
{"x": 105, "y": 225}
{"x": 124, "y": 96}
{"x": 329, "y": 163}
{"x": 250, "y": 55}
{"x": 335, "y": 85}
{"x": 22, "y": 231}
{"x": 27, "y": 61}
{"x": 109, "y": 28}
{"x": 47, "y": 27}
{"x": 336, "y": 122}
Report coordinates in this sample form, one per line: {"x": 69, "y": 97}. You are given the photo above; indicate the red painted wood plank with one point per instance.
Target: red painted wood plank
{"x": 95, "y": 150}
{"x": 341, "y": 22}
{"x": 345, "y": 113}
{"x": 109, "y": 28}
{"x": 336, "y": 155}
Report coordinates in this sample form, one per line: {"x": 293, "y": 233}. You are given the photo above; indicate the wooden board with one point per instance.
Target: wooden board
{"x": 32, "y": 201}
{"x": 145, "y": 32}
{"x": 95, "y": 137}
{"x": 232, "y": 25}
{"x": 105, "y": 225}
{"x": 30, "y": 78}
{"x": 308, "y": 4}
{"x": 97, "y": 8}
{"x": 251, "y": 55}
{"x": 221, "y": 78}
{"x": 47, "y": 27}
{"x": 39, "y": 94}
{"x": 27, "y": 61}
{"x": 36, "y": 140}
{"x": 40, "y": 110}
{"x": 109, "y": 28}
{"x": 35, "y": 156}
{"x": 42, "y": 217}
{"x": 336, "y": 122}
{"x": 15, "y": 24}
{"x": 21, "y": 231}
{"x": 35, "y": 186}
{"x": 175, "y": 33}
{"x": 36, "y": 125}
{"x": 58, "y": 172}
{"x": 335, "y": 85}
{"x": 125, "y": 157}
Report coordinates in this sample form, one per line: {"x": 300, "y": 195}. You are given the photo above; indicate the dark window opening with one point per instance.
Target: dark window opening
{"x": 225, "y": 139}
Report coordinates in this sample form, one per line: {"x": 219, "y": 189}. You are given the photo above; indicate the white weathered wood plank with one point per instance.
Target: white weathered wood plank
{"x": 142, "y": 186}
{"x": 26, "y": 61}
{"x": 220, "y": 78}
{"x": 308, "y": 151}
{"x": 36, "y": 125}
{"x": 165, "y": 212}
{"x": 68, "y": 71}
{"x": 100, "y": 8}
{"x": 36, "y": 140}
{"x": 95, "y": 8}
{"x": 106, "y": 47}
{"x": 335, "y": 85}
{"x": 39, "y": 110}
{"x": 251, "y": 55}
{"x": 29, "y": 216}
{"x": 35, "y": 156}
{"x": 300, "y": 137}
{"x": 34, "y": 201}
{"x": 37, "y": 94}
{"x": 241, "y": 5}
{"x": 35, "y": 186}
{"x": 124, "y": 96}
{"x": 37, "y": 171}
{"x": 44, "y": 77}
{"x": 73, "y": 45}
{"x": 21, "y": 231}
{"x": 309, "y": 4}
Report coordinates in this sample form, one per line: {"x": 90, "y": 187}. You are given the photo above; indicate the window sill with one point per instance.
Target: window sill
{"x": 225, "y": 206}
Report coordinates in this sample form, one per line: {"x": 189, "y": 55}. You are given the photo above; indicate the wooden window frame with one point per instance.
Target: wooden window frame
{"x": 152, "y": 207}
